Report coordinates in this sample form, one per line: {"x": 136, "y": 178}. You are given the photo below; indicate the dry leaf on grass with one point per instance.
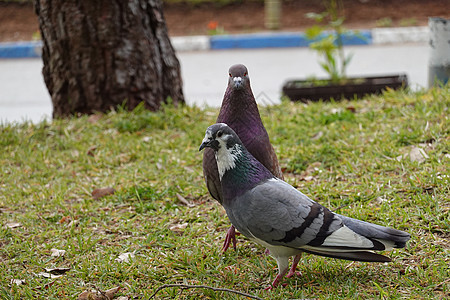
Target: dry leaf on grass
{"x": 57, "y": 252}
{"x": 415, "y": 154}
{"x": 13, "y": 225}
{"x": 98, "y": 295}
{"x": 53, "y": 272}
{"x": 94, "y": 118}
{"x": 45, "y": 286}
{"x": 418, "y": 154}
{"x": 184, "y": 201}
{"x": 178, "y": 227}
{"x": 91, "y": 151}
{"x": 125, "y": 257}
{"x": 57, "y": 271}
{"x": 317, "y": 135}
{"x": 102, "y": 192}
{"x": 47, "y": 275}
{"x": 17, "y": 281}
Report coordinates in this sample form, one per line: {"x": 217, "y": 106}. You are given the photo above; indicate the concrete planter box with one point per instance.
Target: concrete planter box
{"x": 304, "y": 90}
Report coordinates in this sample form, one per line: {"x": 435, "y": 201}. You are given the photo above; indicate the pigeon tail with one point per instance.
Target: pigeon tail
{"x": 396, "y": 238}
{"x": 365, "y": 256}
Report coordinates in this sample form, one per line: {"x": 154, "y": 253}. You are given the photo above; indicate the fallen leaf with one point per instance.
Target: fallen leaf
{"x": 418, "y": 154}
{"x": 382, "y": 199}
{"x": 57, "y": 252}
{"x": 75, "y": 153}
{"x": 57, "y": 271}
{"x": 308, "y": 178}
{"x": 178, "y": 227}
{"x": 47, "y": 275}
{"x": 94, "y": 118}
{"x": 45, "y": 286}
{"x": 13, "y": 225}
{"x": 317, "y": 135}
{"x": 18, "y": 281}
{"x": 351, "y": 108}
{"x": 98, "y": 295}
{"x": 102, "y": 192}
{"x": 91, "y": 150}
{"x": 184, "y": 201}
{"x": 125, "y": 257}
{"x": 65, "y": 219}
{"x": 5, "y": 210}
{"x": 336, "y": 110}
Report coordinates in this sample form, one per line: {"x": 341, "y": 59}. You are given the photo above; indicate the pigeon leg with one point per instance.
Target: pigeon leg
{"x": 277, "y": 279}
{"x": 230, "y": 237}
{"x": 283, "y": 266}
{"x": 294, "y": 266}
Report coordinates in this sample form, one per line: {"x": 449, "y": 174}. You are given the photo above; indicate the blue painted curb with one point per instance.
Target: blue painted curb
{"x": 251, "y": 41}
{"x": 21, "y": 49}
{"x": 264, "y": 40}
{"x": 280, "y": 40}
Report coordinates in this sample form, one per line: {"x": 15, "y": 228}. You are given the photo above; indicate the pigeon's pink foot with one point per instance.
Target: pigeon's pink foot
{"x": 277, "y": 280}
{"x": 271, "y": 287}
{"x": 290, "y": 274}
{"x": 230, "y": 238}
{"x": 294, "y": 266}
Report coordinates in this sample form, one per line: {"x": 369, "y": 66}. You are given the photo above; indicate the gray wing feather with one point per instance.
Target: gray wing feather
{"x": 271, "y": 210}
{"x": 376, "y": 231}
{"x": 278, "y": 214}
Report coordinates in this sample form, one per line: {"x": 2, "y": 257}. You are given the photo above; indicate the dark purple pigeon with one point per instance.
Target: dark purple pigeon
{"x": 240, "y": 111}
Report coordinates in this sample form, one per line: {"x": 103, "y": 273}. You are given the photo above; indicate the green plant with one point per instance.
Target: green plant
{"x": 384, "y": 22}
{"x": 408, "y": 22}
{"x": 214, "y": 28}
{"x": 330, "y": 46}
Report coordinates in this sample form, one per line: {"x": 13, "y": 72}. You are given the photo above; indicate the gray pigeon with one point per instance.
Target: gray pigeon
{"x": 274, "y": 214}
{"x": 240, "y": 112}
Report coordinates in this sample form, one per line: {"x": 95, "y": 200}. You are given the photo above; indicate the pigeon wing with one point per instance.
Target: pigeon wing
{"x": 278, "y": 214}
{"x": 211, "y": 175}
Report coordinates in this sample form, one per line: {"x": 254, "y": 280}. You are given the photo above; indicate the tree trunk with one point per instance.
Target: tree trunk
{"x": 101, "y": 54}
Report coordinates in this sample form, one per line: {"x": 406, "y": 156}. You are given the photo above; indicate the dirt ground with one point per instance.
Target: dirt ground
{"x": 19, "y": 22}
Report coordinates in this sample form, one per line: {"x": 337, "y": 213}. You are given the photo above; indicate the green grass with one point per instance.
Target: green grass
{"x": 49, "y": 170}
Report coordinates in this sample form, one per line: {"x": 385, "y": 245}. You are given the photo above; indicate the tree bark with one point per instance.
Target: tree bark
{"x": 101, "y": 54}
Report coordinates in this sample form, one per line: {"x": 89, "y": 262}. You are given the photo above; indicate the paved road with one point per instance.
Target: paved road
{"x": 23, "y": 94}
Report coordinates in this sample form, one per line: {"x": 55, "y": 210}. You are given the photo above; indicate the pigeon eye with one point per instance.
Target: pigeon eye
{"x": 219, "y": 133}
{"x": 230, "y": 74}
{"x": 245, "y": 74}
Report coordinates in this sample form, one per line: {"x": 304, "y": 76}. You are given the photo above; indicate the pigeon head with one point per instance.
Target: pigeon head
{"x": 220, "y": 136}
{"x": 238, "y": 169}
{"x": 238, "y": 77}
{"x": 226, "y": 144}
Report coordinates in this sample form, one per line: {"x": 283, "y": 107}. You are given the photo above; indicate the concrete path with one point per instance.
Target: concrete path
{"x": 23, "y": 94}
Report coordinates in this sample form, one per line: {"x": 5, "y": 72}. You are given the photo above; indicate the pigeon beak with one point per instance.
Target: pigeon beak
{"x": 237, "y": 82}
{"x": 209, "y": 143}
{"x": 206, "y": 143}
{"x": 203, "y": 145}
